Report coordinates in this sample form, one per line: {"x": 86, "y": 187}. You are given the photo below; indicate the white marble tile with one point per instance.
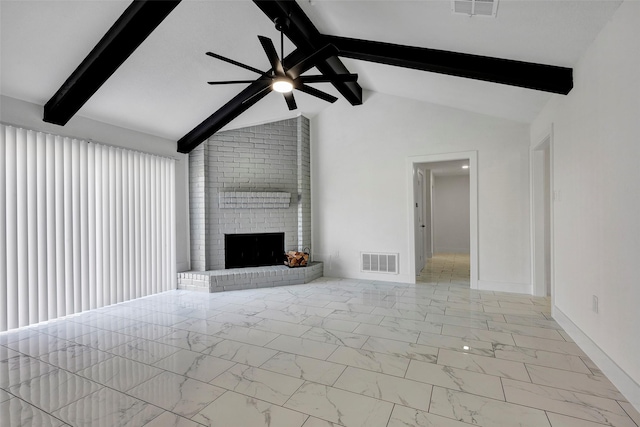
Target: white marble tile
{"x": 145, "y": 351}
{"x": 372, "y": 361}
{"x": 409, "y": 417}
{"x": 631, "y": 411}
{"x": 256, "y": 306}
{"x": 579, "y": 405}
{"x": 37, "y": 345}
{"x": 478, "y": 334}
{"x": 20, "y": 368}
{"x": 259, "y": 383}
{"x": 400, "y": 313}
{"x": 457, "y": 305}
{"x": 532, "y": 321}
{"x": 354, "y": 316}
{"x": 233, "y": 409}
{"x": 539, "y": 313}
{"x": 330, "y": 323}
{"x": 120, "y": 373}
{"x": 284, "y": 328}
{"x": 283, "y": 316}
{"x": 317, "y": 422}
{"x": 199, "y": 366}
{"x": 457, "y": 321}
{"x": 541, "y": 358}
{"x": 104, "y": 340}
{"x": 548, "y": 345}
{"x": 348, "y": 339}
{"x": 525, "y": 330}
{"x": 483, "y": 364}
{"x": 75, "y": 357}
{"x": 236, "y": 319}
{"x": 339, "y": 406}
{"x": 483, "y": 411}
{"x": 238, "y": 352}
{"x": 194, "y": 341}
{"x": 402, "y": 349}
{"x": 68, "y": 330}
{"x": 169, "y": 419}
{"x": 147, "y": 331}
{"x": 573, "y": 381}
{"x": 305, "y": 368}
{"x": 412, "y": 325}
{"x": 175, "y": 393}
{"x": 474, "y": 315}
{"x": 163, "y": 319}
{"x": 307, "y": 310}
{"x": 303, "y": 347}
{"x": 17, "y": 412}
{"x": 558, "y": 420}
{"x": 481, "y": 348}
{"x": 242, "y": 309}
{"x": 456, "y": 379}
{"x": 387, "y": 332}
{"x": 115, "y": 409}
{"x": 385, "y": 387}
{"x": 208, "y": 327}
{"x": 418, "y": 307}
{"x": 353, "y": 308}
{"x": 53, "y": 390}
{"x": 6, "y": 353}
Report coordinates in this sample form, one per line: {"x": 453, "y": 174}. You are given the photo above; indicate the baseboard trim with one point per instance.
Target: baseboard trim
{"x": 627, "y": 386}
{"x": 517, "y": 288}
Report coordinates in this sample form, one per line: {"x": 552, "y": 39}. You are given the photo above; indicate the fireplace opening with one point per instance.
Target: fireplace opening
{"x": 253, "y": 250}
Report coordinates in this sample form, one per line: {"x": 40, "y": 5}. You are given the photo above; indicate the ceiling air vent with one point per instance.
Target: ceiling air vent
{"x": 475, "y": 7}
{"x": 379, "y": 263}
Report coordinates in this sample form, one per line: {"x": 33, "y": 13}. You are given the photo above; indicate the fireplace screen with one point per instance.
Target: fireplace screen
{"x": 253, "y": 250}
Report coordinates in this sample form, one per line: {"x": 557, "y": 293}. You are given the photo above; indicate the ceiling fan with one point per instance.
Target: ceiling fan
{"x": 284, "y": 79}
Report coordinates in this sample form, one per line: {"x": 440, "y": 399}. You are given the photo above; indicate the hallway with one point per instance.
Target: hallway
{"x": 446, "y": 268}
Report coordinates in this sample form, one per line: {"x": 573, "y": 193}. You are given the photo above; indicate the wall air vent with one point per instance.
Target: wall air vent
{"x": 379, "y": 262}
{"x": 475, "y": 7}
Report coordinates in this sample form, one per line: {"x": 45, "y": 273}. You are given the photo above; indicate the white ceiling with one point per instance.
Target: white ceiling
{"x": 447, "y": 168}
{"x": 161, "y": 89}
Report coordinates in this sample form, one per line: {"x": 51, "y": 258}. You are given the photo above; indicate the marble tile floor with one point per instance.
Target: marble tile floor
{"x": 446, "y": 268}
{"x": 329, "y": 353}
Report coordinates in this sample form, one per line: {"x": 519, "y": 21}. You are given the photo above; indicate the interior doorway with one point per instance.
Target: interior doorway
{"x": 542, "y": 218}
{"x": 452, "y": 255}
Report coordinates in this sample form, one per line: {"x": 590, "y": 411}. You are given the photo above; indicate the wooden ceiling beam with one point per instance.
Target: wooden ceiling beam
{"x": 529, "y": 75}
{"x": 123, "y": 38}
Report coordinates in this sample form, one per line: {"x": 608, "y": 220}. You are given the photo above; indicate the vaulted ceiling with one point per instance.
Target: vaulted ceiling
{"x": 161, "y": 88}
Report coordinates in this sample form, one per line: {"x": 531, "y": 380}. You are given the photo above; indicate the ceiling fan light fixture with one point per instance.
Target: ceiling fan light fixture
{"x": 282, "y": 85}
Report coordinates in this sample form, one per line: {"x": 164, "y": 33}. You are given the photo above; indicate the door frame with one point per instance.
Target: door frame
{"x": 472, "y": 157}
{"x": 536, "y": 171}
{"x": 418, "y": 228}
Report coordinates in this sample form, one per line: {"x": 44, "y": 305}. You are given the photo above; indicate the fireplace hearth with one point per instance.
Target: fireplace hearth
{"x": 253, "y": 250}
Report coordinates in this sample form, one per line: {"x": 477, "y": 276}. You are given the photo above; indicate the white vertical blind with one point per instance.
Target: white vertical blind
{"x": 82, "y": 225}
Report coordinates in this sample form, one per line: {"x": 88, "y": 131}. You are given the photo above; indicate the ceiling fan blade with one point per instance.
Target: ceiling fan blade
{"x": 329, "y": 79}
{"x": 236, "y": 63}
{"x": 317, "y": 93}
{"x": 270, "y": 50}
{"x": 319, "y": 55}
{"x": 231, "y": 82}
{"x": 261, "y": 91}
{"x": 291, "y": 102}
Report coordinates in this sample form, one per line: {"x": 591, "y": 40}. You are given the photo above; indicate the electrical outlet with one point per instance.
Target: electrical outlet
{"x": 594, "y": 305}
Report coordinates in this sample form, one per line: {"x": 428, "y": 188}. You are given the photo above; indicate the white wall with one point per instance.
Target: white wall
{"x": 596, "y": 156}
{"x": 451, "y": 214}
{"x": 360, "y": 195}
{"x": 25, "y": 114}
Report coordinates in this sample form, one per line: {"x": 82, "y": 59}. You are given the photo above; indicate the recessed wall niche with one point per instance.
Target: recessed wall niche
{"x": 270, "y": 158}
